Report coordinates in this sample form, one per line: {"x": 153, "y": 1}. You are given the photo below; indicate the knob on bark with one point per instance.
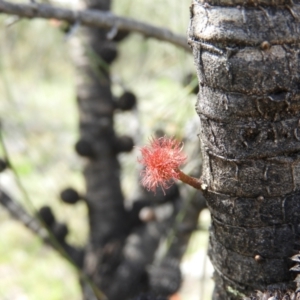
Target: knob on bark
{"x": 108, "y": 54}
{"x": 127, "y": 101}
{"x": 46, "y": 214}
{"x": 70, "y": 196}
{"x": 60, "y": 231}
{"x": 84, "y": 148}
{"x": 123, "y": 144}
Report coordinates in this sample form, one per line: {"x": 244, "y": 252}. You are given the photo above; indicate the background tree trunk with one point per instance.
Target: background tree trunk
{"x": 92, "y": 53}
{"x": 247, "y": 60}
{"x": 120, "y": 252}
{"x": 123, "y": 256}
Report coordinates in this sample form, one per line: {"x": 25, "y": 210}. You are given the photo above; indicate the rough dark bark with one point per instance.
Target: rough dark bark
{"x": 247, "y": 60}
{"x": 118, "y": 255}
{"x": 107, "y": 216}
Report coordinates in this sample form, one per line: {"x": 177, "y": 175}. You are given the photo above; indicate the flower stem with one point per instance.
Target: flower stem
{"x": 192, "y": 181}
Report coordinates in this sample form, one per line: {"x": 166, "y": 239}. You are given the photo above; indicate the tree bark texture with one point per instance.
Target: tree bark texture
{"x": 107, "y": 216}
{"x": 120, "y": 250}
{"x": 247, "y": 61}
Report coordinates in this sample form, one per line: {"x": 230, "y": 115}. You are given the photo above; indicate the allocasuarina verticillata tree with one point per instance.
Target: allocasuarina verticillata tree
{"x": 247, "y": 60}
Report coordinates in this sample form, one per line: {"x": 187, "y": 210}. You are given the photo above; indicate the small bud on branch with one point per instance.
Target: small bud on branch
{"x": 162, "y": 159}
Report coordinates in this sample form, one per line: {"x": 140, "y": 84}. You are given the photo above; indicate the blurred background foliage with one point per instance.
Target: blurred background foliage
{"x": 40, "y": 120}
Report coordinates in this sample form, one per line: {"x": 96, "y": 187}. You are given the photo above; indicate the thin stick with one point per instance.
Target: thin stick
{"x": 15, "y": 173}
{"x": 53, "y": 240}
{"x": 93, "y": 18}
{"x": 192, "y": 181}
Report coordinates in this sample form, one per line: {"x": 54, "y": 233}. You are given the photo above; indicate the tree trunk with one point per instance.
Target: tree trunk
{"x": 119, "y": 252}
{"x": 92, "y": 53}
{"x": 247, "y": 60}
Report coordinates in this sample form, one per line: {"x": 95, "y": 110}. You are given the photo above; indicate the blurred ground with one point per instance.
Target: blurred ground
{"x": 31, "y": 271}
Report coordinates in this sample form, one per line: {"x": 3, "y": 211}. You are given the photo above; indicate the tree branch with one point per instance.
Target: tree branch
{"x": 20, "y": 214}
{"x": 93, "y": 18}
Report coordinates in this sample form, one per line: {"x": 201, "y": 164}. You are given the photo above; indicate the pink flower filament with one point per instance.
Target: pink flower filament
{"x": 161, "y": 159}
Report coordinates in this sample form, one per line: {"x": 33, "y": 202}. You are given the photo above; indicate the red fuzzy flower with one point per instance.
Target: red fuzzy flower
{"x": 161, "y": 159}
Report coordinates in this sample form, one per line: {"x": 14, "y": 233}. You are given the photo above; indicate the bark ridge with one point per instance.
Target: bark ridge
{"x": 247, "y": 61}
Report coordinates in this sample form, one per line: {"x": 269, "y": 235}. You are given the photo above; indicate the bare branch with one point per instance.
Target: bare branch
{"x": 20, "y": 214}
{"x": 93, "y": 18}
